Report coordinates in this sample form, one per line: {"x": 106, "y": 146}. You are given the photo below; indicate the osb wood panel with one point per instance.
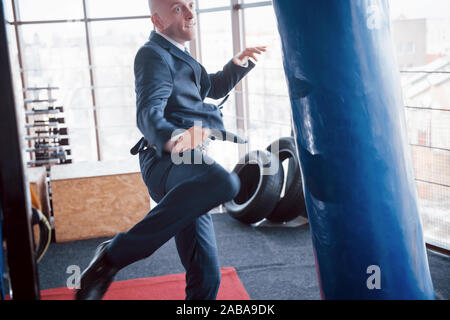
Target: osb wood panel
{"x": 95, "y": 207}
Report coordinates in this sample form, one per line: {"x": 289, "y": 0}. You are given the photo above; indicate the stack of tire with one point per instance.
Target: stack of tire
{"x": 262, "y": 179}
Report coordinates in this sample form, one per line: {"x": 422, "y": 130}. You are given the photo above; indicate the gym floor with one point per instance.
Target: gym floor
{"x": 273, "y": 262}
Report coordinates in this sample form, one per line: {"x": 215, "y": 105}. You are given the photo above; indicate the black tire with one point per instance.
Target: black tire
{"x": 261, "y": 177}
{"x": 292, "y": 204}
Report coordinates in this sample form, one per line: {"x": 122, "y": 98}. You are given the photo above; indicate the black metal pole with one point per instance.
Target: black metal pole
{"x": 14, "y": 194}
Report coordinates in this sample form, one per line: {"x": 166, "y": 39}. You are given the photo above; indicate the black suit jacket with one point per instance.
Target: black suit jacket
{"x": 170, "y": 88}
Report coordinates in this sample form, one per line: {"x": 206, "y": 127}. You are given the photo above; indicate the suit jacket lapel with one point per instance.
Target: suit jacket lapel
{"x": 189, "y": 60}
{"x": 205, "y": 84}
{"x": 179, "y": 54}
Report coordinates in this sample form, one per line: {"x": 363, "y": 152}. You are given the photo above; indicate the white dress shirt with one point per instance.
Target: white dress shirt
{"x": 177, "y": 44}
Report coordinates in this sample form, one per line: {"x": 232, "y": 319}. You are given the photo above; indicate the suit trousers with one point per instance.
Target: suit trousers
{"x": 185, "y": 194}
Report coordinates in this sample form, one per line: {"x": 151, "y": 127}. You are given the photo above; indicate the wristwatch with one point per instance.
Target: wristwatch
{"x": 204, "y": 146}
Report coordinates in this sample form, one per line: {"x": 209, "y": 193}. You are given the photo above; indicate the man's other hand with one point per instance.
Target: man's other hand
{"x": 189, "y": 139}
{"x": 241, "y": 59}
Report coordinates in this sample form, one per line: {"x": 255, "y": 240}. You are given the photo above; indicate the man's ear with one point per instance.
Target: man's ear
{"x": 157, "y": 21}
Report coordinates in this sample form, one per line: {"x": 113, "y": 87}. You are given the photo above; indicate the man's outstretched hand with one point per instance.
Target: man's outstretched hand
{"x": 189, "y": 139}
{"x": 242, "y": 57}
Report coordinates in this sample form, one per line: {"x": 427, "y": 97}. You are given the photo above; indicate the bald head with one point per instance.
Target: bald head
{"x": 174, "y": 18}
{"x": 153, "y": 4}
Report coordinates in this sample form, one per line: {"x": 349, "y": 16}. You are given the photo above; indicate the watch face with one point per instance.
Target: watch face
{"x": 204, "y": 147}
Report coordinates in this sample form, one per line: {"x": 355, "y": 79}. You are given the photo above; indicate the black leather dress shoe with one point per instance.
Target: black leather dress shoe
{"x": 97, "y": 277}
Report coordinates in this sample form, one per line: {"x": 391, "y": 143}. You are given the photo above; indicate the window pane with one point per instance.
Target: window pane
{"x": 116, "y": 142}
{"x": 56, "y": 55}
{"x": 217, "y": 48}
{"x": 261, "y": 29}
{"x": 417, "y": 9}
{"x": 269, "y": 109}
{"x": 204, "y": 4}
{"x": 83, "y": 144}
{"x": 114, "y": 46}
{"x": 117, "y": 117}
{"x": 32, "y": 10}
{"x": 216, "y": 51}
{"x": 262, "y": 133}
{"x": 8, "y": 11}
{"x": 117, "y": 8}
{"x": 53, "y": 46}
{"x": 421, "y": 35}
{"x": 216, "y": 40}
{"x": 119, "y": 96}
{"x": 226, "y": 153}
{"x": 14, "y": 62}
{"x": 253, "y": 1}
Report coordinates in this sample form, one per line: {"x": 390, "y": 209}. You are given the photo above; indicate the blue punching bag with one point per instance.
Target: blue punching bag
{"x": 351, "y": 137}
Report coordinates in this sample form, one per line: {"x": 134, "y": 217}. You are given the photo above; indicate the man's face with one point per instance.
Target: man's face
{"x": 176, "y": 19}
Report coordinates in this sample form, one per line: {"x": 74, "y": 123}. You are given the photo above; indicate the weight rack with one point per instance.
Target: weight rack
{"x": 47, "y": 136}
{"x": 48, "y": 143}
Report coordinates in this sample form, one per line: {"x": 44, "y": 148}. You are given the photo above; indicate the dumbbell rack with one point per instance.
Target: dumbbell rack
{"x": 48, "y": 143}
{"x": 46, "y": 136}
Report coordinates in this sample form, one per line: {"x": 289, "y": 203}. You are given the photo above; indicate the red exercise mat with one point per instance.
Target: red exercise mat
{"x": 169, "y": 287}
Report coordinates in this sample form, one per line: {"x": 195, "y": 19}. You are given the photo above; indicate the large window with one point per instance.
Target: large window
{"x": 215, "y": 50}
{"x": 55, "y": 54}
{"x": 259, "y": 107}
{"x": 205, "y": 4}
{"x": 85, "y": 48}
{"x": 32, "y": 10}
{"x": 268, "y": 111}
{"x": 117, "y": 8}
{"x": 421, "y": 32}
{"x": 114, "y": 45}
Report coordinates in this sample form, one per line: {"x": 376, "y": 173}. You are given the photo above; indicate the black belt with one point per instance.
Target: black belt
{"x": 139, "y": 146}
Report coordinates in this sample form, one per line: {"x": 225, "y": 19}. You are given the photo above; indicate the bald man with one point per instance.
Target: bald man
{"x": 170, "y": 90}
